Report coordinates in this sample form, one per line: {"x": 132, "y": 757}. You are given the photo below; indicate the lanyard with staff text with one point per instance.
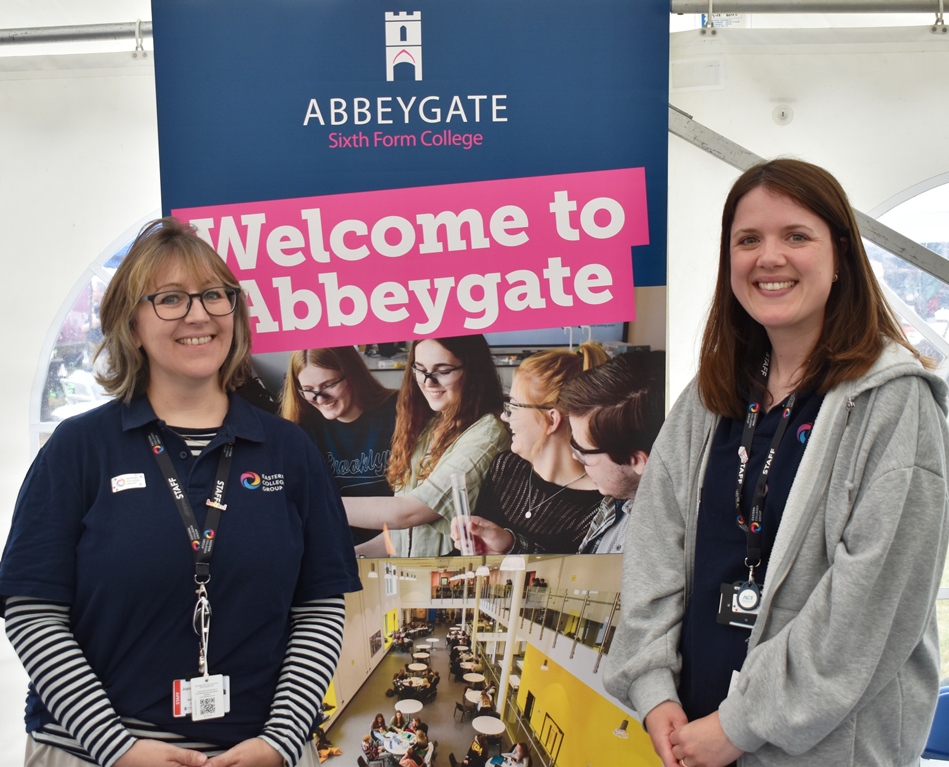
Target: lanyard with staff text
{"x": 201, "y": 544}
{"x": 753, "y": 525}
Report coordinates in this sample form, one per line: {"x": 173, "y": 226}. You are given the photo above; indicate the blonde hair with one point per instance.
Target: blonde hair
{"x": 545, "y": 374}
{"x": 162, "y": 243}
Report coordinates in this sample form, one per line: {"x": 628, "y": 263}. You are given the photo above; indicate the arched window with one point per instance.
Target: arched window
{"x": 922, "y": 301}
{"x": 64, "y": 384}
{"x": 922, "y": 214}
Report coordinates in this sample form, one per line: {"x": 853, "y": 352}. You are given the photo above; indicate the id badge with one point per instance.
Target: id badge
{"x": 202, "y": 697}
{"x": 738, "y": 604}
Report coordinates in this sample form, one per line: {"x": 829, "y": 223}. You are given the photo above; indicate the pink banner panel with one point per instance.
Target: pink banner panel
{"x": 400, "y": 264}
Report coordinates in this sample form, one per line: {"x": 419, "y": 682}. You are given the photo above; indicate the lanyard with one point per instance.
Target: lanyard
{"x": 753, "y": 524}
{"x": 202, "y": 545}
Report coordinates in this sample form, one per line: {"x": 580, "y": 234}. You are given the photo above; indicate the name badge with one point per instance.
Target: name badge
{"x": 127, "y": 482}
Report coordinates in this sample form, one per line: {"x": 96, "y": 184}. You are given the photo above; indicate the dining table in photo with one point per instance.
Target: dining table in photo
{"x": 398, "y": 743}
{"x": 488, "y": 725}
{"x": 408, "y": 706}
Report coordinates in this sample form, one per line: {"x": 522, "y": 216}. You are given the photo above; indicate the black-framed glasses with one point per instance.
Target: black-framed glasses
{"x": 580, "y": 453}
{"x": 511, "y": 405}
{"x": 175, "y": 304}
{"x": 441, "y": 376}
{"x": 329, "y": 391}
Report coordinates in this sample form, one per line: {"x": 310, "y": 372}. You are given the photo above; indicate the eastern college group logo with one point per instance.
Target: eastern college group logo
{"x": 269, "y": 483}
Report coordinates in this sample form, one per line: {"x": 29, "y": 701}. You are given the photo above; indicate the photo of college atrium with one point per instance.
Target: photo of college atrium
{"x": 532, "y": 632}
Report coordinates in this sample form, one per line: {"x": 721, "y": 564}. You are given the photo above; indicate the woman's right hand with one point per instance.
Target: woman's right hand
{"x": 660, "y": 722}
{"x": 487, "y": 537}
{"x": 154, "y": 753}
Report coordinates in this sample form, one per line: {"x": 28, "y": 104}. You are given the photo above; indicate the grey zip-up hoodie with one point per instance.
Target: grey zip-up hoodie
{"x": 843, "y": 662}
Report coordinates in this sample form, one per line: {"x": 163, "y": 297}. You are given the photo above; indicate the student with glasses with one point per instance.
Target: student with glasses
{"x": 615, "y": 413}
{"x": 447, "y": 422}
{"x": 130, "y": 508}
{"x": 537, "y": 496}
{"x": 334, "y": 397}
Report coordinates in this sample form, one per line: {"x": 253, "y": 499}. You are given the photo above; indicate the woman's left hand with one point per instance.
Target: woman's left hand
{"x": 703, "y": 743}
{"x": 249, "y": 753}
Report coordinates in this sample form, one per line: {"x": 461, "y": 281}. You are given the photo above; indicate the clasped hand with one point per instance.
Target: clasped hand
{"x": 681, "y": 743}
{"x": 153, "y": 753}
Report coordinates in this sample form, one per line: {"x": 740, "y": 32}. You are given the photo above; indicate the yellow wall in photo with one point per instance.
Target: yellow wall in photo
{"x": 392, "y": 623}
{"x": 586, "y": 718}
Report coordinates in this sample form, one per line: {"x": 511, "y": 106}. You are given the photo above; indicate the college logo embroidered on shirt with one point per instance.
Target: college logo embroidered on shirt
{"x": 127, "y": 482}
{"x": 269, "y": 483}
{"x": 804, "y": 433}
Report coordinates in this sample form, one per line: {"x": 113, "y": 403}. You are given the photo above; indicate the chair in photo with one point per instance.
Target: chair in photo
{"x": 451, "y": 759}
{"x": 465, "y": 711}
{"x": 430, "y": 753}
{"x": 493, "y": 741}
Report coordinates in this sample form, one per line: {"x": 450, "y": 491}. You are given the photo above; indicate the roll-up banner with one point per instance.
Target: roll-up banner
{"x": 379, "y": 172}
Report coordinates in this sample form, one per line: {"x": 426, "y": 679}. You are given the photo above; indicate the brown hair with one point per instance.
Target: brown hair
{"x": 368, "y": 393}
{"x": 480, "y": 394}
{"x": 857, "y": 319}
{"x": 625, "y": 401}
{"x": 161, "y": 243}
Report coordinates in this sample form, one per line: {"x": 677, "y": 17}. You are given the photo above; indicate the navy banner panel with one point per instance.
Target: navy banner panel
{"x": 262, "y": 101}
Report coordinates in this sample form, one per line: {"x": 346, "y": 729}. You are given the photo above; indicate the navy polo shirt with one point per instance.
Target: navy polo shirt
{"x": 711, "y": 650}
{"x": 95, "y": 526}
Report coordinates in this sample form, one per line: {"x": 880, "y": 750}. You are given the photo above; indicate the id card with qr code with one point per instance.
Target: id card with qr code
{"x": 202, "y": 697}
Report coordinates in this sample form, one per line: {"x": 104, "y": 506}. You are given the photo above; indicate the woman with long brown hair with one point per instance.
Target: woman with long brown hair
{"x": 789, "y": 532}
{"x": 447, "y": 422}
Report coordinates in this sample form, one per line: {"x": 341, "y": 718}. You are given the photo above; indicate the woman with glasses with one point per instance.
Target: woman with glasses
{"x": 130, "y": 509}
{"x": 447, "y": 422}
{"x": 334, "y": 397}
{"x": 790, "y": 528}
{"x": 537, "y": 497}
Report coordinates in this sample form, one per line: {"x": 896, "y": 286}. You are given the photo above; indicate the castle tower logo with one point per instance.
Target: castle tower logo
{"x": 404, "y": 46}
